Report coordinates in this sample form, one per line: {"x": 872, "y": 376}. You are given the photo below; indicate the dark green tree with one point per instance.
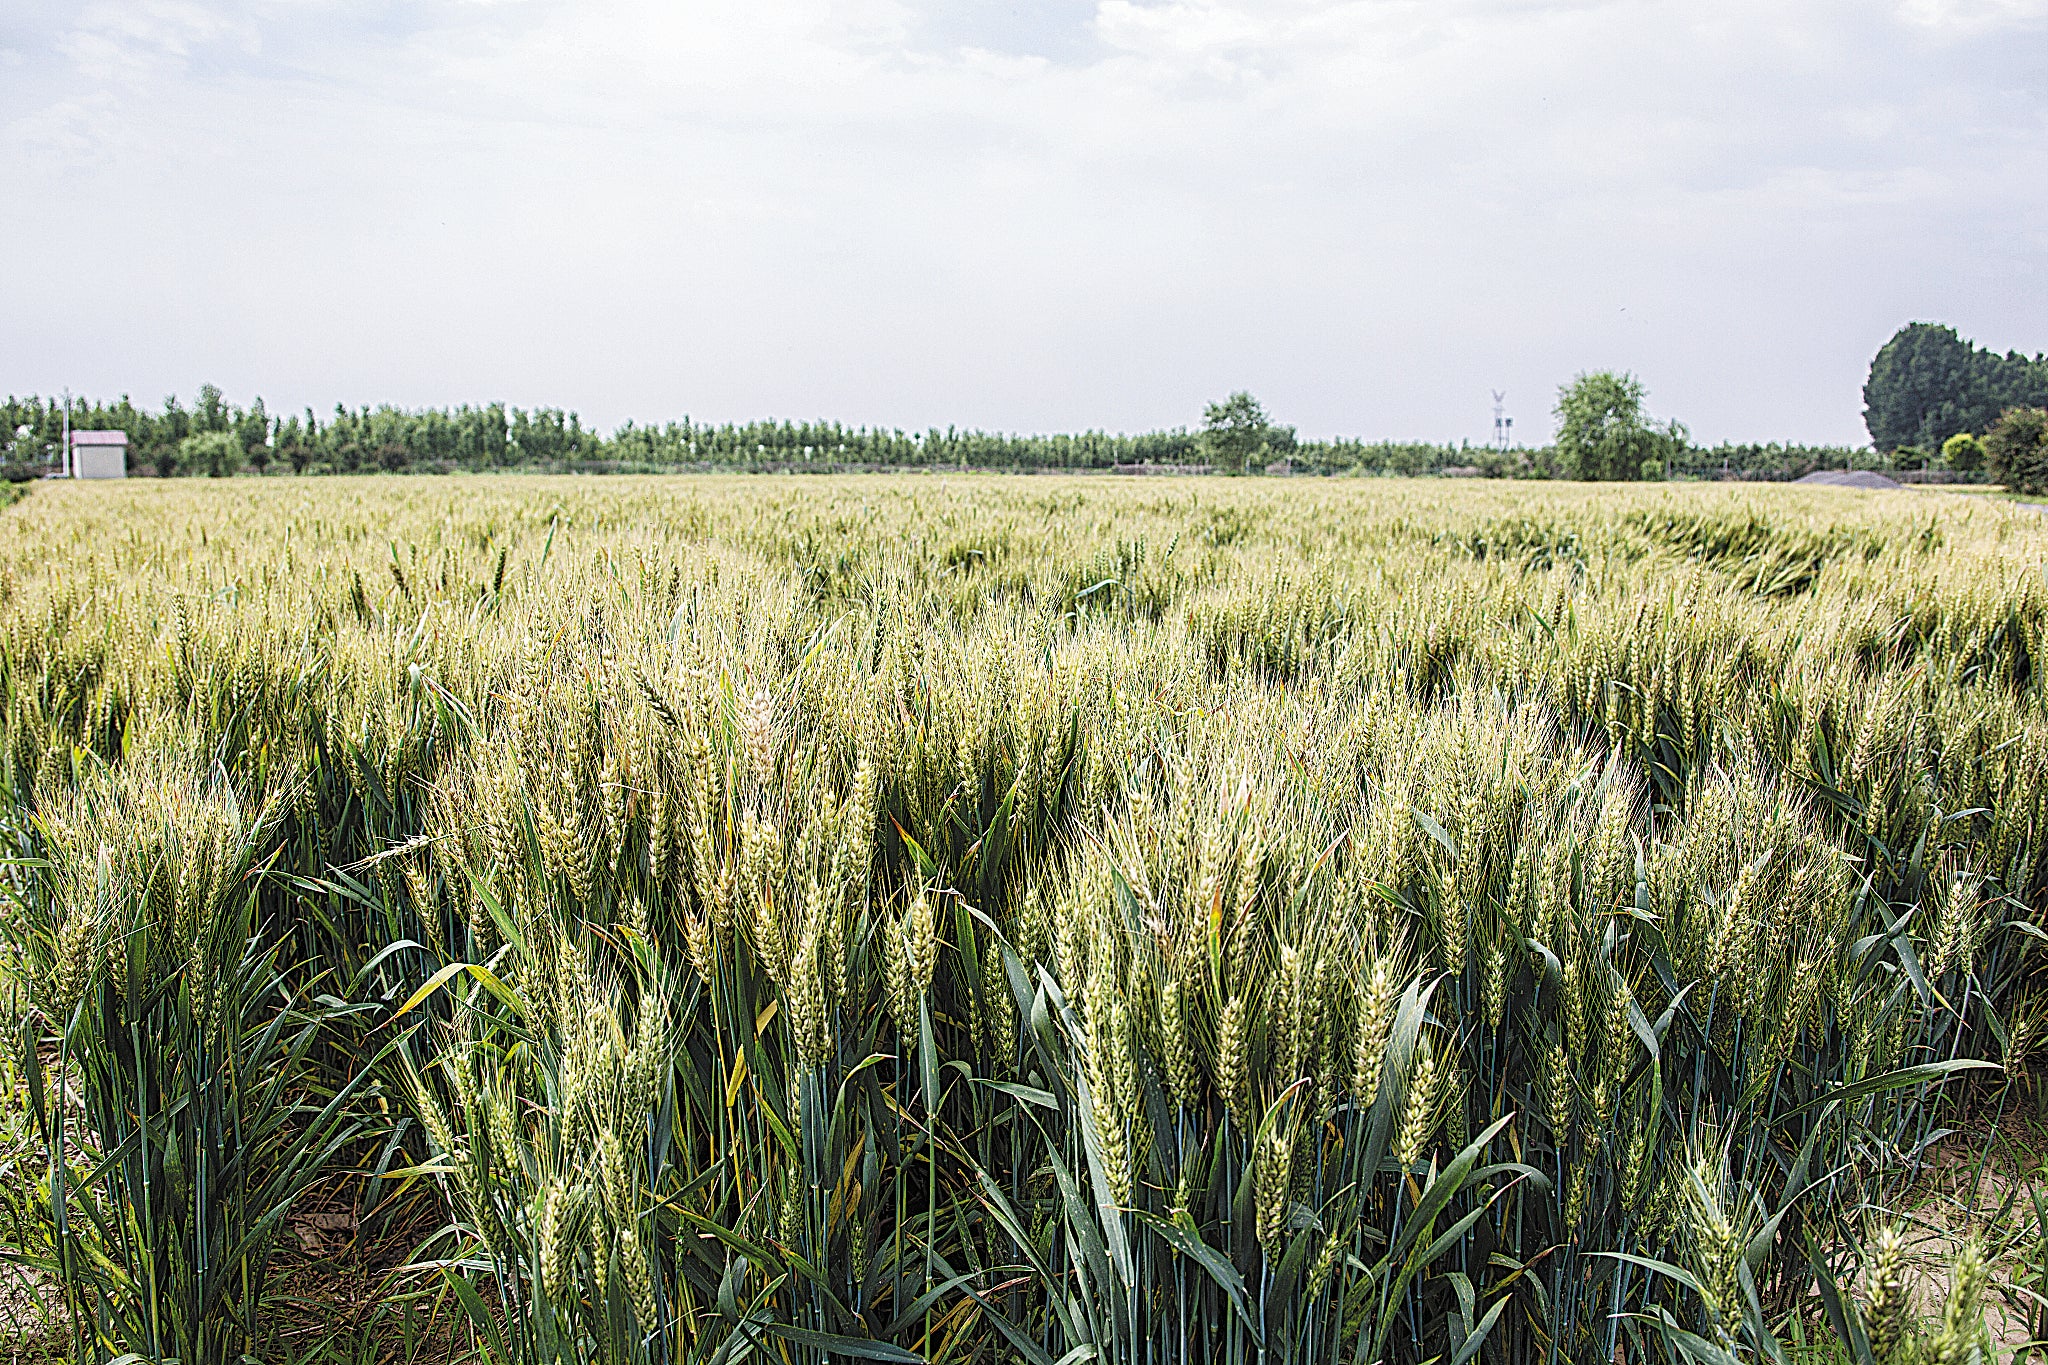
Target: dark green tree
{"x": 1602, "y": 432}
{"x": 2016, "y": 450}
{"x": 1928, "y": 383}
{"x": 253, "y": 429}
{"x": 176, "y": 423}
{"x": 211, "y": 412}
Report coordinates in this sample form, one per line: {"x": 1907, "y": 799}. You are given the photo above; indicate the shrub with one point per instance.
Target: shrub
{"x": 2016, "y": 450}
{"x": 1963, "y": 453}
{"x": 216, "y": 454}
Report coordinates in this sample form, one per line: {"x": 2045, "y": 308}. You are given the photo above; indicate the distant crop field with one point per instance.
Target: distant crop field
{"x": 1030, "y": 919}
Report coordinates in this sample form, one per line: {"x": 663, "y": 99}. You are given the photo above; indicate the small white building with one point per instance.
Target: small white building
{"x": 99, "y": 454}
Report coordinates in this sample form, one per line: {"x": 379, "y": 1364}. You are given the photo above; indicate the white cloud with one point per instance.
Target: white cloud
{"x": 1974, "y": 16}
{"x": 69, "y": 134}
{"x": 1036, "y": 215}
{"x": 128, "y": 41}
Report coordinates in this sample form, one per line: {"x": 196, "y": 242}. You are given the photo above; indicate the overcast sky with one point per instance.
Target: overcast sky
{"x": 1025, "y": 216}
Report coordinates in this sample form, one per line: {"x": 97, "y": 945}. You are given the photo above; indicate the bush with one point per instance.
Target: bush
{"x": 217, "y": 454}
{"x": 2016, "y": 450}
{"x": 1963, "y": 453}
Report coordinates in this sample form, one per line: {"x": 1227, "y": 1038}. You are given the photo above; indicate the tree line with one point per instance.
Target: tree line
{"x": 1933, "y": 402}
{"x": 213, "y": 436}
{"x": 1603, "y": 434}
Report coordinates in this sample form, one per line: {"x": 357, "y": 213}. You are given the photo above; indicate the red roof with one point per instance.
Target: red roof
{"x": 99, "y": 438}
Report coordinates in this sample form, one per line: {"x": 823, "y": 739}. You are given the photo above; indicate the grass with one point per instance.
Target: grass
{"x": 966, "y": 918}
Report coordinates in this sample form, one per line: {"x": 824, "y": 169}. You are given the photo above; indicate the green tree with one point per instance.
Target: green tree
{"x": 211, "y": 412}
{"x": 174, "y": 426}
{"x": 1602, "y": 432}
{"x": 1928, "y": 383}
{"x": 2016, "y": 450}
{"x": 217, "y": 454}
{"x": 1963, "y": 453}
{"x": 1235, "y": 433}
{"x": 254, "y": 427}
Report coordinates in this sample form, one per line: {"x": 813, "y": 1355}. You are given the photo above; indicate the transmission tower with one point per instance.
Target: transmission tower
{"x": 1503, "y": 425}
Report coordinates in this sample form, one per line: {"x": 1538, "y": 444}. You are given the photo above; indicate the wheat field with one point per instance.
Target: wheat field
{"x": 1012, "y": 919}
